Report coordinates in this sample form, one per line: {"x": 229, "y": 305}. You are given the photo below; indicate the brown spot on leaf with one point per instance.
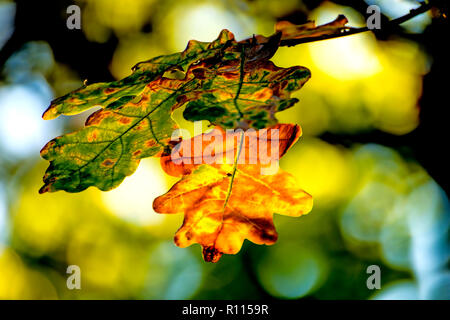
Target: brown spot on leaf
{"x": 124, "y": 120}
{"x": 97, "y": 117}
{"x": 263, "y": 94}
{"x": 92, "y": 136}
{"x": 140, "y": 126}
{"x": 230, "y": 75}
{"x": 150, "y": 143}
{"x": 75, "y": 101}
{"x": 111, "y": 90}
{"x": 108, "y": 163}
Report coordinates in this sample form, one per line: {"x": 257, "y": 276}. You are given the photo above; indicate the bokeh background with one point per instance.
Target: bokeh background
{"x": 373, "y": 155}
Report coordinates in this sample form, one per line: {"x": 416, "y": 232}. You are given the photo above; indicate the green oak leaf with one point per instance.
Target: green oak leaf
{"x": 232, "y": 84}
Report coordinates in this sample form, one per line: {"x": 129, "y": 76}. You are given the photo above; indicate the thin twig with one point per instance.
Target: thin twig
{"x": 392, "y": 23}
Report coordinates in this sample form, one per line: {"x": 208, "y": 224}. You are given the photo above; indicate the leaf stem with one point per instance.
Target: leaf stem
{"x": 234, "y": 170}
{"x": 392, "y": 23}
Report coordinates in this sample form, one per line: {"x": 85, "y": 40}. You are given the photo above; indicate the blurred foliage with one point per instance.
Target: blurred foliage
{"x": 375, "y": 203}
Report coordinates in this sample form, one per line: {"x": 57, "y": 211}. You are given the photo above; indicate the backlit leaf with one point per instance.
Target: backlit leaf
{"x": 291, "y": 31}
{"x": 224, "y": 204}
{"x": 219, "y": 219}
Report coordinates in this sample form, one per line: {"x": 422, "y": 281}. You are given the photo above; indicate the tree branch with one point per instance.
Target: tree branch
{"x": 392, "y": 23}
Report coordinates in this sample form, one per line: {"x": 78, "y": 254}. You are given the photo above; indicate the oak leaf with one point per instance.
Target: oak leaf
{"x": 229, "y": 83}
{"x": 224, "y": 204}
{"x": 290, "y": 31}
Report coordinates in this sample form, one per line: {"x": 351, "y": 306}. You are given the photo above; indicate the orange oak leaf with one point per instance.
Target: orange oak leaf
{"x": 224, "y": 204}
